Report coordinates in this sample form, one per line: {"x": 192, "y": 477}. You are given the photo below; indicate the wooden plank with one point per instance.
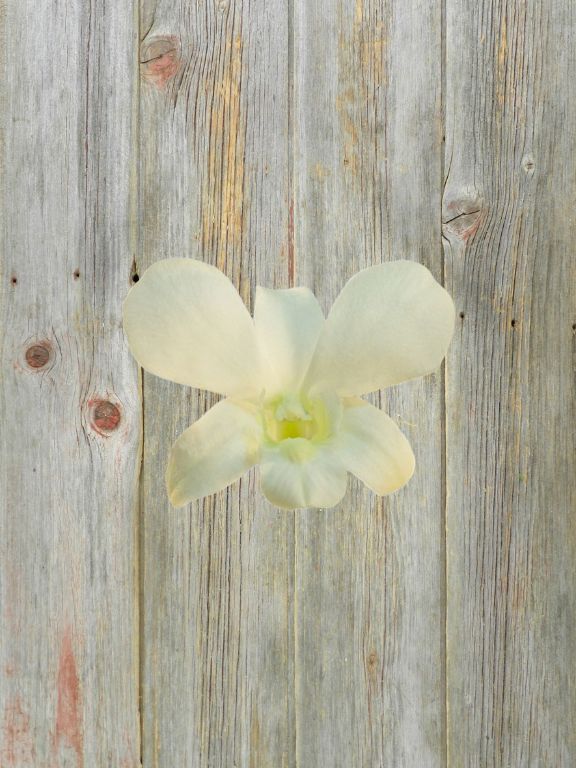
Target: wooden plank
{"x": 369, "y": 575}
{"x": 510, "y": 235}
{"x": 217, "y": 577}
{"x": 69, "y": 442}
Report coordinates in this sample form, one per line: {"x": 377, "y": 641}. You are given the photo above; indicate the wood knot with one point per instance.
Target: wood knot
{"x": 160, "y": 59}
{"x": 372, "y": 665}
{"x": 38, "y": 355}
{"x": 461, "y": 216}
{"x": 528, "y": 164}
{"x": 104, "y": 415}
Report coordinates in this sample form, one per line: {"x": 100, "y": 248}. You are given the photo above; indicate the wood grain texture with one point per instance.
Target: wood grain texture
{"x": 217, "y": 676}
{"x": 70, "y": 436}
{"x": 287, "y": 143}
{"x": 369, "y": 575}
{"x": 510, "y": 263}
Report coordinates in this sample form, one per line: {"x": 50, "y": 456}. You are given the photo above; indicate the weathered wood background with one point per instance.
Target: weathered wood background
{"x": 287, "y": 143}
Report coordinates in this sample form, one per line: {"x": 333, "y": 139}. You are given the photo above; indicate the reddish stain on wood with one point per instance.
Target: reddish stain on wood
{"x": 469, "y": 232}
{"x": 37, "y": 355}
{"x": 17, "y": 747}
{"x": 291, "y": 266}
{"x": 105, "y": 415}
{"x": 69, "y": 704}
{"x": 464, "y": 216}
{"x": 160, "y": 60}
{"x": 464, "y": 226}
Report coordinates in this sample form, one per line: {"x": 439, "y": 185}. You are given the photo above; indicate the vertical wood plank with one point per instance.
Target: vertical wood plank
{"x": 369, "y": 575}
{"x": 510, "y": 233}
{"x": 70, "y": 435}
{"x": 217, "y": 577}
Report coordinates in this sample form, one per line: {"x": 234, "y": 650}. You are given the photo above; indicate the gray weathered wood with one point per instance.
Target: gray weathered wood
{"x": 287, "y": 143}
{"x": 217, "y": 578}
{"x": 369, "y": 575}
{"x": 510, "y": 233}
{"x": 68, "y": 483}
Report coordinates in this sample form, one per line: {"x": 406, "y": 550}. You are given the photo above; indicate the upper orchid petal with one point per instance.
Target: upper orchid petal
{"x": 391, "y": 322}
{"x": 373, "y": 448}
{"x": 186, "y": 322}
{"x": 288, "y": 324}
{"x": 214, "y": 452}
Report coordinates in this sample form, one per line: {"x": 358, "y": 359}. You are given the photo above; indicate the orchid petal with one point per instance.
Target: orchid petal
{"x": 390, "y": 323}
{"x": 288, "y": 324}
{"x": 373, "y": 448}
{"x": 214, "y": 452}
{"x": 297, "y": 474}
{"x": 186, "y": 322}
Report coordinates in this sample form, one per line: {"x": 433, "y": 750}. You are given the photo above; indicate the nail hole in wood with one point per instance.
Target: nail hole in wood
{"x": 513, "y": 323}
{"x": 135, "y": 277}
{"x": 76, "y": 274}
{"x": 462, "y": 315}
{"x": 574, "y": 326}
{"x": 14, "y": 280}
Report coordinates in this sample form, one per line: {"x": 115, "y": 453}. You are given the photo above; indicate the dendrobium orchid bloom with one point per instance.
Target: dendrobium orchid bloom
{"x": 292, "y": 380}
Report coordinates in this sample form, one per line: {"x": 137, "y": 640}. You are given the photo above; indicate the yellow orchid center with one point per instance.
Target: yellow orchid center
{"x": 294, "y": 417}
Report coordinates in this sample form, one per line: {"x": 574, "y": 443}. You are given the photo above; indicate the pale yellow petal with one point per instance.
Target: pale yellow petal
{"x": 390, "y": 323}
{"x": 373, "y": 448}
{"x": 214, "y": 452}
{"x": 288, "y": 324}
{"x": 295, "y": 475}
{"x": 186, "y": 322}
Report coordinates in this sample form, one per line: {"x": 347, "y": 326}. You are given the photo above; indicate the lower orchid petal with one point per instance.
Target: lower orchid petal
{"x": 214, "y": 452}
{"x": 298, "y": 474}
{"x": 373, "y": 448}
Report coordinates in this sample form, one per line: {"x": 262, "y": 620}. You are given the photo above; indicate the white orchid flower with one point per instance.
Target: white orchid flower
{"x": 292, "y": 380}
